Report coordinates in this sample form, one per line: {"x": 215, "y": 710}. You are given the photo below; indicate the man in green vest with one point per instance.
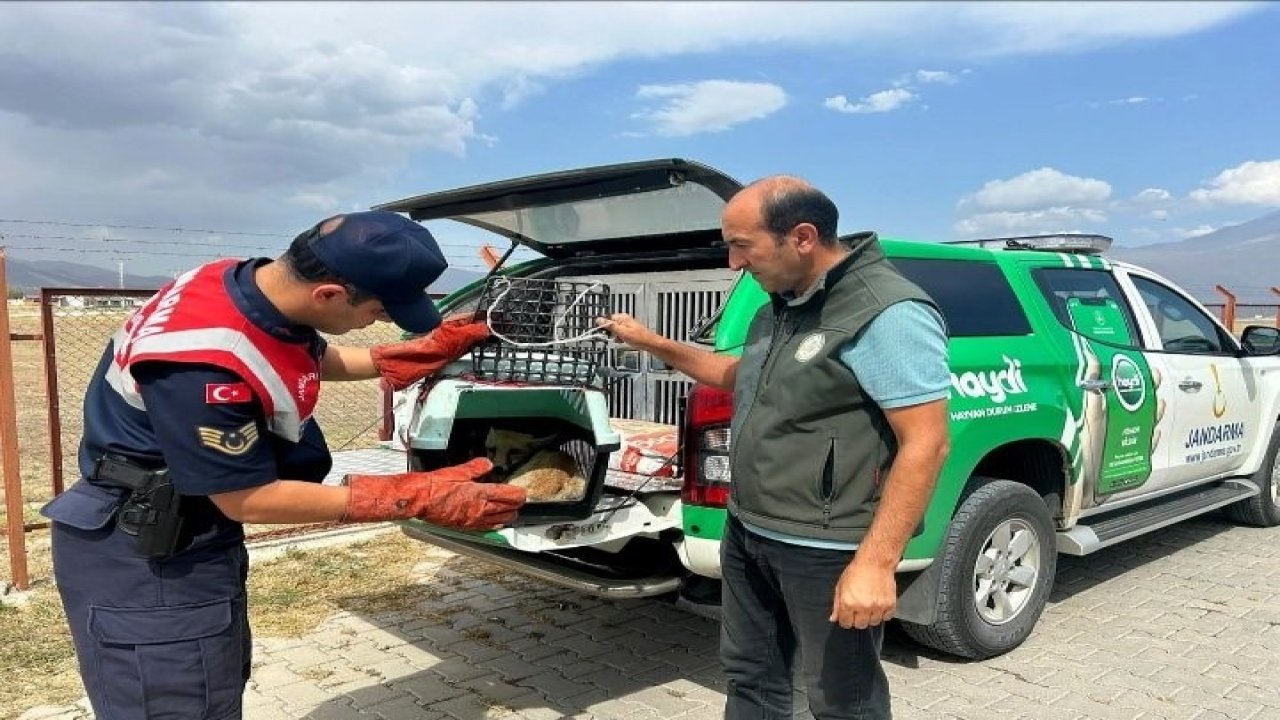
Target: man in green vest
{"x": 839, "y": 431}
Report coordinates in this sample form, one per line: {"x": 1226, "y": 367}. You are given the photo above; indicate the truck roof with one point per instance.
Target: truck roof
{"x": 1030, "y": 247}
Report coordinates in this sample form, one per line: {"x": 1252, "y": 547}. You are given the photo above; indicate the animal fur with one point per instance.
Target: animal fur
{"x": 525, "y": 461}
{"x": 509, "y": 449}
{"x": 550, "y": 476}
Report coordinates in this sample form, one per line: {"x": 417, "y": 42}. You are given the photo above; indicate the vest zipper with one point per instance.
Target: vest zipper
{"x": 783, "y": 331}
{"x": 779, "y": 320}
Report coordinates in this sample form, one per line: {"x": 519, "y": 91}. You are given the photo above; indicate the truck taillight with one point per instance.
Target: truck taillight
{"x": 706, "y": 446}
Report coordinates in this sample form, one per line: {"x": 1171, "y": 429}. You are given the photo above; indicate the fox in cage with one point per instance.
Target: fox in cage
{"x": 537, "y": 464}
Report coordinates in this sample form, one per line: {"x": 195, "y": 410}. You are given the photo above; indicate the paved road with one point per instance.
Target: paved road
{"x": 1185, "y": 624}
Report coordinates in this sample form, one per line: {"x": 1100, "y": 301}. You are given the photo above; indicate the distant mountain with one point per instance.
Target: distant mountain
{"x": 1244, "y": 258}
{"x": 29, "y": 275}
{"x": 452, "y": 279}
{"x": 33, "y": 274}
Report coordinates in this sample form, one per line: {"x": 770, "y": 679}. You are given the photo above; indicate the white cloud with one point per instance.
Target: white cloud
{"x": 1151, "y": 203}
{"x": 255, "y": 114}
{"x": 708, "y": 106}
{"x": 1038, "y": 189}
{"x": 1039, "y": 201}
{"x": 925, "y": 77}
{"x": 878, "y": 102}
{"x": 1151, "y": 196}
{"x": 1197, "y": 231}
{"x": 929, "y": 77}
{"x": 904, "y": 90}
{"x": 518, "y": 89}
{"x": 1045, "y": 220}
{"x": 1133, "y": 100}
{"x": 1250, "y": 183}
{"x": 1053, "y": 27}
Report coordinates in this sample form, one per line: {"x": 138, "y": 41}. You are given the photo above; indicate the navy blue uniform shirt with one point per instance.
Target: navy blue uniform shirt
{"x": 180, "y": 428}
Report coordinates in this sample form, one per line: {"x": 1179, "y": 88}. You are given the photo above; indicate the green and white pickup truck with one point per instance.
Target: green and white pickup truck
{"x": 1092, "y": 401}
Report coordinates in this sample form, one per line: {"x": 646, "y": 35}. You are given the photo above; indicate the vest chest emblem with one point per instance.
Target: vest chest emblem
{"x": 810, "y": 347}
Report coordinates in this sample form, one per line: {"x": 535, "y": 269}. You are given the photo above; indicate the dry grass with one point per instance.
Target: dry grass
{"x": 36, "y": 658}
{"x": 37, "y": 661}
{"x": 349, "y": 412}
{"x": 289, "y": 596}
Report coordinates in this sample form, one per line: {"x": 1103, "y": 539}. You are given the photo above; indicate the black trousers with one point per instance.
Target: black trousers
{"x": 776, "y": 603}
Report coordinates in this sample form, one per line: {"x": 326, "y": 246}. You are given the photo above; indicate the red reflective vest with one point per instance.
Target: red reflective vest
{"x": 193, "y": 319}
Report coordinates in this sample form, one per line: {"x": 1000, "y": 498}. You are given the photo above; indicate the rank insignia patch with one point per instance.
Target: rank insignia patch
{"x": 231, "y": 442}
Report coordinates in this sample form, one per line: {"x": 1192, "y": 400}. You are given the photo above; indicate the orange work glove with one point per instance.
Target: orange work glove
{"x": 404, "y": 363}
{"x": 448, "y": 496}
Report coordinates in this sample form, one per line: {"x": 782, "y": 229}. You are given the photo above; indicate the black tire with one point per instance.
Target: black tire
{"x": 964, "y": 627}
{"x": 1263, "y": 509}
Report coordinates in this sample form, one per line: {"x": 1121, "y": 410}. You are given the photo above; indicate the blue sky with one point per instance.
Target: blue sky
{"x": 1150, "y": 122}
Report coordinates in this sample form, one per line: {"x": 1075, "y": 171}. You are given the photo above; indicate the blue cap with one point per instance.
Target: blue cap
{"x": 389, "y": 257}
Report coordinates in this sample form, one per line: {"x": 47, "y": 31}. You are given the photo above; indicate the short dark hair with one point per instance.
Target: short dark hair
{"x": 788, "y": 207}
{"x": 304, "y": 266}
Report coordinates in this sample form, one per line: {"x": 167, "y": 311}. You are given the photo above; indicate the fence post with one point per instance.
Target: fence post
{"x": 1229, "y": 309}
{"x": 51, "y": 389}
{"x": 16, "y": 525}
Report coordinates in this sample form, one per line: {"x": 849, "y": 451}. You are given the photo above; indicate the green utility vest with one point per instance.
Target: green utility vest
{"x": 810, "y": 447}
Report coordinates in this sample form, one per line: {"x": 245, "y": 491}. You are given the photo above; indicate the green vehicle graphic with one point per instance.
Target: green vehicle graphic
{"x": 1091, "y": 402}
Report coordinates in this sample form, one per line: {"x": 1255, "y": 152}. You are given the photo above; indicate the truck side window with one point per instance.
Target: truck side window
{"x": 975, "y": 298}
{"x": 1183, "y": 327}
{"x": 1090, "y": 303}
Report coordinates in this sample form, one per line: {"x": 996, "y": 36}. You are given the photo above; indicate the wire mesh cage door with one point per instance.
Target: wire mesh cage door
{"x": 544, "y": 331}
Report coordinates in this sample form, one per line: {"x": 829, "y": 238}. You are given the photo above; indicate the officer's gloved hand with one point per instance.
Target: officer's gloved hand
{"x": 448, "y": 496}
{"x": 404, "y": 363}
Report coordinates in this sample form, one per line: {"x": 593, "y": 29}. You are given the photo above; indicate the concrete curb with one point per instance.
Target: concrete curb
{"x": 269, "y": 548}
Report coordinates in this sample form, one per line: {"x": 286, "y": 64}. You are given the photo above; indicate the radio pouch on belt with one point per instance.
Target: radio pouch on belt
{"x": 152, "y": 513}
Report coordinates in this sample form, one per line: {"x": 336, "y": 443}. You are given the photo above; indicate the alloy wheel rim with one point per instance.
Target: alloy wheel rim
{"x": 1007, "y": 571}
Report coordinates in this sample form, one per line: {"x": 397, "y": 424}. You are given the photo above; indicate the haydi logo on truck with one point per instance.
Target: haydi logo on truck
{"x": 1066, "y": 467}
{"x": 996, "y": 385}
{"x": 1126, "y": 378}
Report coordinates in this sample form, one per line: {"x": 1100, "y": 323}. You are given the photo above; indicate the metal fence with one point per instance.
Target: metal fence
{"x": 53, "y": 347}
{"x": 48, "y": 353}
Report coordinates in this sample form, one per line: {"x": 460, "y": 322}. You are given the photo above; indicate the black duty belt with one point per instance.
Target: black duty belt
{"x": 123, "y": 472}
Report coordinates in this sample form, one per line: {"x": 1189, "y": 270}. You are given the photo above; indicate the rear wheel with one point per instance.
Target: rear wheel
{"x": 997, "y": 570}
{"x": 1263, "y": 509}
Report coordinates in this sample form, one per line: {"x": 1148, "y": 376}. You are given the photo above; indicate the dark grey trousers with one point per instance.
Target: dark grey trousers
{"x": 776, "y": 603}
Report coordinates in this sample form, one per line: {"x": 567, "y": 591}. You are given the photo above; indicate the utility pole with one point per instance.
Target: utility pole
{"x": 120, "y": 263}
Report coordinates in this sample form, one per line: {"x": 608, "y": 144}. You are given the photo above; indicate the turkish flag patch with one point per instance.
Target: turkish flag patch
{"x": 223, "y": 393}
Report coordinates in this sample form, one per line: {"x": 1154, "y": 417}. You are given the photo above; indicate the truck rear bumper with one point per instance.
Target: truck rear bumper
{"x": 547, "y": 568}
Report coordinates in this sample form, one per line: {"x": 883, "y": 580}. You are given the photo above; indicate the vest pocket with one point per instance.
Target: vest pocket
{"x": 828, "y": 481}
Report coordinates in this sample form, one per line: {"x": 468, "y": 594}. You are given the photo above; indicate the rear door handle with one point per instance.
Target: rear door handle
{"x": 1190, "y": 385}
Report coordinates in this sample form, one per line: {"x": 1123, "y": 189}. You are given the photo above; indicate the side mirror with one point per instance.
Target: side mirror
{"x": 1260, "y": 340}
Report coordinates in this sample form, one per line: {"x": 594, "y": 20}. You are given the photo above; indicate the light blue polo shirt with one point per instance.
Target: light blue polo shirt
{"x": 900, "y": 359}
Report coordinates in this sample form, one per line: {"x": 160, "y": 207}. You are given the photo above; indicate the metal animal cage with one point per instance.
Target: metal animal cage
{"x": 544, "y": 331}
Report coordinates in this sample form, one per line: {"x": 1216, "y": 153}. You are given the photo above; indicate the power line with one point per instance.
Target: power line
{"x": 185, "y": 243}
{"x": 139, "y": 227}
{"x": 198, "y": 256}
